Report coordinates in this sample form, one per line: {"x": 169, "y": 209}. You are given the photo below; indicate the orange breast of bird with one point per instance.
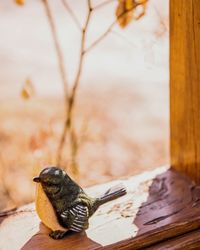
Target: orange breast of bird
{"x": 45, "y": 210}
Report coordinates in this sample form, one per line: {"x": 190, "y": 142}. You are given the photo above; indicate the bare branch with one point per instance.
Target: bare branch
{"x": 69, "y": 121}
{"x": 100, "y": 38}
{"x": 72, "y": 97}
{"x": 57, "y": 46}
{"x": 110, "y": 27}
{"x": 73, "y": 136}
{"x": 72, "y": 14}
{"x": 76, "y": 82}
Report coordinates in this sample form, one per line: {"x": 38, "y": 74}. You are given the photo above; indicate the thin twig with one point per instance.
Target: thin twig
{"x": 110, "y": 27}
{"x": 73, "y": 136}
{"x": 76, "y": 82}
{"x": 100, "y": 38}
{"x": 72, "y": 14}
{"x": 59, "y": 53}
{"x": 123, "y": 38}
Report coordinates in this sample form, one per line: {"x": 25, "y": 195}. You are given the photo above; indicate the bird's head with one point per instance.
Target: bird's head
{"x": 51, "y": 179}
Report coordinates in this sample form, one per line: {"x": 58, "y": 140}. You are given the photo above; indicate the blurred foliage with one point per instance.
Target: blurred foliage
{"x": 28, "y": 89}
{"x": 20, "y": 2}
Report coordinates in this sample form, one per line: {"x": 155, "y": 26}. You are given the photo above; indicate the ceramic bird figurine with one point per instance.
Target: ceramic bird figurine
{"x": 62, "y": 205}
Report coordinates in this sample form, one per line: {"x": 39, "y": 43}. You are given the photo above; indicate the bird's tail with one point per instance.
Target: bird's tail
{"x": 112, "y": 194}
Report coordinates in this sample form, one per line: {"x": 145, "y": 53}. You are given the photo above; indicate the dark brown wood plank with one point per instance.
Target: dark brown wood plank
{"x": 159, "y": 205}
{"x": 185, "y": 86}
{"x": 184, "y": 242}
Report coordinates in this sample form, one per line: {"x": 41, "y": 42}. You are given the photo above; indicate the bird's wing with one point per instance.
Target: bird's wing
{"x": 76, "y": 217}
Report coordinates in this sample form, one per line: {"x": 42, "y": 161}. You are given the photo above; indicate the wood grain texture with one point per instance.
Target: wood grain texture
{"x": 160, "y": 204}
{"x": 185, "y": 86}
{"x": 189, "y": 241}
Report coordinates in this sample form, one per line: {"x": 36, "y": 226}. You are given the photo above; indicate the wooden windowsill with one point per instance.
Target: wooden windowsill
{"x": 160, "y": 204}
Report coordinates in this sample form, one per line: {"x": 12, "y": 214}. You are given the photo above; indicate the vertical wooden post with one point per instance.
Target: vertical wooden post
{"x": 185, "y": 86}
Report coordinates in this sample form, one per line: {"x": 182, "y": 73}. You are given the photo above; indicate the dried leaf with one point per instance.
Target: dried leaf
{"x": 28, "y": 89}
{"x": 125, "y": 11}
{"x": 143, "y": 4}
{"x": 20, "y": 2}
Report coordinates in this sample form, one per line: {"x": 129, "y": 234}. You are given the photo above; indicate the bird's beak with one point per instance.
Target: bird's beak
{"x": 36, "y": 179}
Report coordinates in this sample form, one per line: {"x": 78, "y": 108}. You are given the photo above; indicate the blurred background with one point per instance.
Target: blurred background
{"x": 120, "y": 120}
